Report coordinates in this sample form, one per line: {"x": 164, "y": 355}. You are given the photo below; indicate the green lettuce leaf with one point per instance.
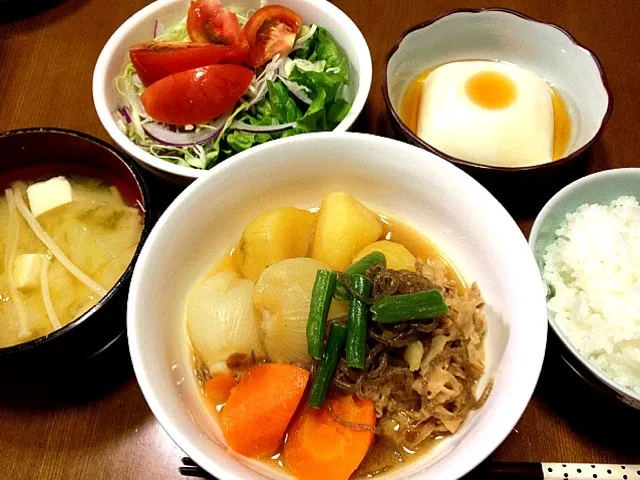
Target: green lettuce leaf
{"x": 239, "y": 141}
{"x": 337, "y": 111}
{"x": 317, "y": 81}
{"x": 328, "y": 50}
{"x": 218, "y": 150}
{"x": 315, "y": 118}
{"x": 322, "y": 48}
{"x": 280, "y": 106}
{"x": 283, "y": 107}
{"x": 308, "y": 48}
{"x": 275, "y": 108}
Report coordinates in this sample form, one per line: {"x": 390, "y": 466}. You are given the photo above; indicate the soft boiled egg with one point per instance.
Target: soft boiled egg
{"x": 489, "y": 113}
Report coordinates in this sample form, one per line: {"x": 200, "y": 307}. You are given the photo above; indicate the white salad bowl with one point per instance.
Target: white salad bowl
{"x": 468, "y": 225}
{"x": 140, "y": 27}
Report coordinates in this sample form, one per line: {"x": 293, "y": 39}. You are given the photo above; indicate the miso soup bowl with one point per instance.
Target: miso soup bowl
{"x": 140, "y": 27}
{"x": 44, "y": 152}
{"x": 428, "y": 193}
{"x": 503, "y": 35}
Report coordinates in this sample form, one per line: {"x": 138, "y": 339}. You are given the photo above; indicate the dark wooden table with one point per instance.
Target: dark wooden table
{"x": 98, "y": 426}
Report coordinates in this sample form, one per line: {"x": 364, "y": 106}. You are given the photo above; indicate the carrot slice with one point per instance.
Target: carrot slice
{"x": 219, "y": 387}
{"x": 261, "y": 406}
{"x": 318, "y": 447}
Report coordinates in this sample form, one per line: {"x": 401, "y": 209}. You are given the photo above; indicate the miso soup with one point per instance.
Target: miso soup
{"x": 65, "y": 241}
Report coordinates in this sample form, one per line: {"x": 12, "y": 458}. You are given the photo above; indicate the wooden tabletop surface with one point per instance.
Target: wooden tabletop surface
{"x": 98, "y": 426}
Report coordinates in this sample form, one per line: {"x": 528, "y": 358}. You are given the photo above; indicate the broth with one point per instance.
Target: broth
{"x": 420, "y": 246}
{"x": 562, "y": 126}
{"x": 384, "y": 455}
{"x": 97, "y": 231}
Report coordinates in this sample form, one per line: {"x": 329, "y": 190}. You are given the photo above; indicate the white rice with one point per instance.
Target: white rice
{"x": 592, "y": 272}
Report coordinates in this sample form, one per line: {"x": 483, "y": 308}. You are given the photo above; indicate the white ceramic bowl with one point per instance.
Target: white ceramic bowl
{"x": 508, "y": 36}
{"x": 139, "y": 28}
{"x": 602, "y": 188}
{"x": 428, "y": 193}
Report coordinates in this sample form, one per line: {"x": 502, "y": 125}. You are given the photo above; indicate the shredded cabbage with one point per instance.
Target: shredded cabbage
{"x": 175, "y": 33}
{"x": 304, "y": 65}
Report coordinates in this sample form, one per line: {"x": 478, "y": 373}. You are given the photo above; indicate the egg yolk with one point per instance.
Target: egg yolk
{"x": 491, "y": 90}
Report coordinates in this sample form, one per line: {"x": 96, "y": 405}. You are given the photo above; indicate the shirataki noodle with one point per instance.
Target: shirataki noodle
{"x": 435, "y": 399}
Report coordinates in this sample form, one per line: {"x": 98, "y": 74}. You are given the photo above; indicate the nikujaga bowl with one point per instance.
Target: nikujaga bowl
{"x": 466, "y": 223}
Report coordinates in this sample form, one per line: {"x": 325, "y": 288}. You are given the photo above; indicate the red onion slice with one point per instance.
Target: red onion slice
{"x": 158, "y": 28}
{"x": 245, "y": 127}
{"x": 124, "y": 113}
{"x": 167, "y": 136}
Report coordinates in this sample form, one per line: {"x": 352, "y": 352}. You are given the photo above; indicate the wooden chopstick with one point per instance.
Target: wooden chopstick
{"x": 499, "y": 470}
{"x": 191, "y": 469}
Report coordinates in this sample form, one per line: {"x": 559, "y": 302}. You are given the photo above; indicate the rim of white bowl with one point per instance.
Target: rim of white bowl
{"x": 100, "y": 83}
{"x": 528, "y": 347}
{"x": 564, "y": 193}
{"x": 395, "y": 115}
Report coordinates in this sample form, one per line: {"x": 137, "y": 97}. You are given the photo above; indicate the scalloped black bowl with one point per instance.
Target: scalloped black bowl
{"x": 505, "y": 35}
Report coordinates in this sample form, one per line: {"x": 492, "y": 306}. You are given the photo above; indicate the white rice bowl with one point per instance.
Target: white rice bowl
{"x": 592, "y": 273}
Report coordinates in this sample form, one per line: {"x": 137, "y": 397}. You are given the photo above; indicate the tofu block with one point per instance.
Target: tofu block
{"x": 45, "y": 196}
{"x": 26, "y": 271}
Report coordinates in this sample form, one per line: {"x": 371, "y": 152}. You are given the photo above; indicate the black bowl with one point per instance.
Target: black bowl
{"x": 522, "y": 190}
{"x": 38, "y": 152}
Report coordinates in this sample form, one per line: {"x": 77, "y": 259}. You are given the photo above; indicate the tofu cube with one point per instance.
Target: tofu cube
{"x": 45, "y": 196}
{"x": 26, "y": 271}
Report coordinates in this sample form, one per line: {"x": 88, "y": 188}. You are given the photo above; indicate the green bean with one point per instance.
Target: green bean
{"x": 411, "y": 306}
{"x": 358, "y": 319}
{"x": 327, "y": 366}
{"x": 321, "y": 297}
{"x": 358, "y": 268}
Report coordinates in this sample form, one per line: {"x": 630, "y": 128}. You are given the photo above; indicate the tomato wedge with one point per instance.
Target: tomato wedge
{"x": 209, "y": 21}
{"x": 156, "y": 60}
{"x": 271, "y": 30}
{"x": 197, "y": 95}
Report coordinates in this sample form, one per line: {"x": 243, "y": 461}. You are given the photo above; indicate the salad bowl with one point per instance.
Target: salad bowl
{"x": 143, "y": 26}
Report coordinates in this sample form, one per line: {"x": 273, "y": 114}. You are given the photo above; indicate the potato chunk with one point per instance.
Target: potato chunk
{"x": 397, "y": 255}
{"x": 344, "y": 227}
{"x": 275, "y": 236}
